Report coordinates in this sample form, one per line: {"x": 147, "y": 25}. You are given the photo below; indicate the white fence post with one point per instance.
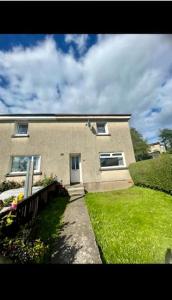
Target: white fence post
{"x": 29, "y": 179}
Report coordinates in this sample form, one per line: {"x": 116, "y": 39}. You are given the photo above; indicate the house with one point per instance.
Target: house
{"x": 93, "y": 150}
{"x": 155, "y": 149}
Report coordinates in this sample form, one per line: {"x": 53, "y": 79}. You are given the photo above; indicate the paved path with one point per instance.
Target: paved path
{"x": 76, "y": 244}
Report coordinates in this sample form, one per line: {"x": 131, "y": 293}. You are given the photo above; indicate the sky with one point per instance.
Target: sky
{"x": 83, "y": 73}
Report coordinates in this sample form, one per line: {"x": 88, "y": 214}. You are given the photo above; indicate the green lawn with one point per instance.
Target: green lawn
{"x": 133, "y": 225}
{"x": 48, "y": 223}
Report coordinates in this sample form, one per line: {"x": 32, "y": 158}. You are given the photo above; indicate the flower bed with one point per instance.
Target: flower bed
{"x": 17, "y": 240}
{"x": 11, "y": 202}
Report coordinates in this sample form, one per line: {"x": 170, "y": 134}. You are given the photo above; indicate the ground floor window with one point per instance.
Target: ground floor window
{"x": 112, "y": 160}
{"x": 19, "y": 163}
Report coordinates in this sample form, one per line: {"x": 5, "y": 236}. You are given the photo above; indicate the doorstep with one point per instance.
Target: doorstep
{"x": 75, "y": 190}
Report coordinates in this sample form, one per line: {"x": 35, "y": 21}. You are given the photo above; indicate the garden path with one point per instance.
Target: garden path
{"x": 76, "y": 243}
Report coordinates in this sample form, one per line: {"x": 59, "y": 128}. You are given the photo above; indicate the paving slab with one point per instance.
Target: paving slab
{"x": 76, "y": 243}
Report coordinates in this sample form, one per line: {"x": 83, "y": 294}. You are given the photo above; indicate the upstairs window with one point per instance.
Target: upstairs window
{"x": 21, "y": 129}
{"x": 19, "y": 163}
{"x": 102, "y": 128}
{"x": 112, "y": 160}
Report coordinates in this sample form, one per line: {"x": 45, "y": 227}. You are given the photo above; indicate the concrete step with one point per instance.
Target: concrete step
{"x": 78, "y": 190}
{"x": 75, "y": 193}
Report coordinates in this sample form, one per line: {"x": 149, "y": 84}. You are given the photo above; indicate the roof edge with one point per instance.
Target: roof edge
{"x": 58, "y": 117}
{"x": 61, "y": 115}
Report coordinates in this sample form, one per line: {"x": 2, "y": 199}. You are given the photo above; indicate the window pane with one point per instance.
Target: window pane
{"x": 19, "y": 163}
{"x": 117, "y": 154}
{"x": 101, "y": 128}
{"x": 22, "y": 128}
{"x": 73, "y": 163}
{"x": 104, "y": 154}
{"x": 120, "y": 160}
{"x": 36, "y": 163}
{"x": 77, "y": 162}
{"x": 110, "y": 162}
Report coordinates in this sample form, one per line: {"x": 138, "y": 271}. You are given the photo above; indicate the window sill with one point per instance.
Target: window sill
{"x": 21, "y": 174}
{"x": 20, "y": 135}
{"x": 103, "y": 134}
{"x": 112, "y": 168}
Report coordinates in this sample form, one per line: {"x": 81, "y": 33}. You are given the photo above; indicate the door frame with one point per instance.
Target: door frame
{"x": 80, "y": 166}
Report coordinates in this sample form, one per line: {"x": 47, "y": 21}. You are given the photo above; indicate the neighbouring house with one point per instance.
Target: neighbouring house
{"x": 155, "y": 149}
{"x": 94, "y": 150}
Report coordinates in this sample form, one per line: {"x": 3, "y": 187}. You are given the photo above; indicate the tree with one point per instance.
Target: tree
{"x": 140, "y": 145}
{"x": 166, "y": 138}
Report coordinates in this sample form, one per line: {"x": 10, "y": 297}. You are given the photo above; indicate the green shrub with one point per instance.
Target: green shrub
{"x": 1, "y": 204}
{"x": 155, "y": 173}
{"x": 7, "y": 224}
{"x": 8, "y": 185}
{"x": 22, "y": 249}
{"x": 8, "y": 201}
{"x": 23, "y": 252}
{"x": 8, "y": 219}
{"x": 46, "y": 180}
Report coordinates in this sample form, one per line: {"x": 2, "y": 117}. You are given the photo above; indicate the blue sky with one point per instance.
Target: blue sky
{"x": 81, "y": 73}
{"x": 8, "y": 41}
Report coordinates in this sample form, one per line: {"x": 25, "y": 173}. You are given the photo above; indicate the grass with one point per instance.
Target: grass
{"x": 48, "y": 223}
{"x": 133, "y": 225}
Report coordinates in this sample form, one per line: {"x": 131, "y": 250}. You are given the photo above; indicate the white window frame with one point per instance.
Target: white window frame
{"x": 24, "y": 172}
{"x": 106, "y": 128}
{"x": 16, "y": 129}
{"x": 110, "y": 155}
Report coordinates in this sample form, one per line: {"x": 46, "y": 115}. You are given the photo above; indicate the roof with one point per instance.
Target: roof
{"x": 62, "y": 116}
{"x": 157, "y": 143}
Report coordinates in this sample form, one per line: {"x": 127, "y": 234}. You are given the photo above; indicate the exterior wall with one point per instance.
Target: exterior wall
{"x": 55, "y": 140}
{"x": 108, "y": 185}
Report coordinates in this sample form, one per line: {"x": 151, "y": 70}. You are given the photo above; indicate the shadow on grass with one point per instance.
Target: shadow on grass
{"x": 48, "y": 224}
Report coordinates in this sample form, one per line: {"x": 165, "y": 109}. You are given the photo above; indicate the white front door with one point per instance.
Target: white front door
{"x": 75, "y": 168}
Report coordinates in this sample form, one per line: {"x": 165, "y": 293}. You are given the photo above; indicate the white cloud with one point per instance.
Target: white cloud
{"x": 80, "y": 41}
{"x": 119, "y": 74}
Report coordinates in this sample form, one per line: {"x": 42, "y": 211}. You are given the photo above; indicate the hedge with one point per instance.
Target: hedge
{"x": 154, "y": 173}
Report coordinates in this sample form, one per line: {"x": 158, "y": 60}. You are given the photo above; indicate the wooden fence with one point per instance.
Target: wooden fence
{"x": 168, "y": 256}
{"x": 28, "y": 209}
